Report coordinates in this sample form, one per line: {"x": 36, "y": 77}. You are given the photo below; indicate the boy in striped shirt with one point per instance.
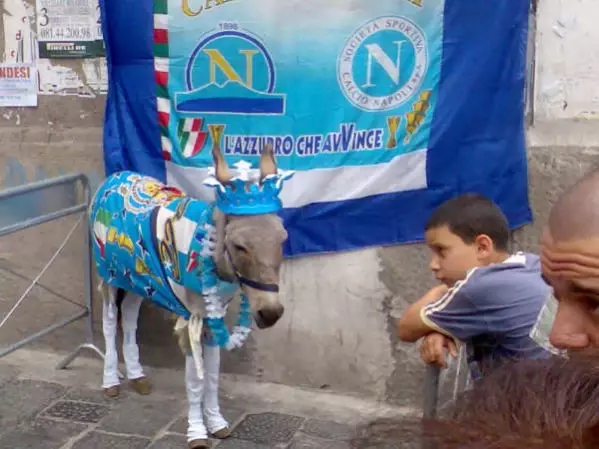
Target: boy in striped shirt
{"x": 492, "y": 301}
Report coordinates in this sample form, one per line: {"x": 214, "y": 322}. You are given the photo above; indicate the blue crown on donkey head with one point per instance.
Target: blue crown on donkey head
{"x": 246, "y": 193}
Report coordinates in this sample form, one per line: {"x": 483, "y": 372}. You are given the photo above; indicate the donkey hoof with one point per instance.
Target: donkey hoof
{"x": 112, "y": 392}
{"x": 142, "y": 385}
{"x": 222, "y": 433}
{"x": 198, "y": 444}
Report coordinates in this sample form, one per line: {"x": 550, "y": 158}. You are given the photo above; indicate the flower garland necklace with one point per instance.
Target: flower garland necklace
{"x": 216, "y": 308}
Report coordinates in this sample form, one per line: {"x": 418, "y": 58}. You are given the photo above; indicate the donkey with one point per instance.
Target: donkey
{"x": 152, "y": 242}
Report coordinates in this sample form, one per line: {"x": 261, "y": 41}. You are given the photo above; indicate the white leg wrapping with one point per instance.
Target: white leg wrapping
{"x": 195, "y": 392}
{"x": 109, "y": 327}
{"x": 129, "y": 319}
{"x": 214, "y": 420}
{"x": 194, "y": 327}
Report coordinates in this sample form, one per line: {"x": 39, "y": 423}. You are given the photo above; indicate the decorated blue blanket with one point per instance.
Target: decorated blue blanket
{"x": 147, "y": 240}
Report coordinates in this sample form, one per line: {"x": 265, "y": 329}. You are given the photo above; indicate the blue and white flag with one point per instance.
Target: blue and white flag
{"x": 383, "y": 108}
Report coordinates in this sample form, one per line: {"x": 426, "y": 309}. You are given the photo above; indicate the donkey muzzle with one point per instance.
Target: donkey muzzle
{"x": 268, "y": 316}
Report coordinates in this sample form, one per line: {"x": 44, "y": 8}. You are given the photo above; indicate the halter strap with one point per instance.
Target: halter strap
{"x": 262, "y": 286}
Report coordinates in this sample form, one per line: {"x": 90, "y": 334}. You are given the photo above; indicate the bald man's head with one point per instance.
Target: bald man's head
{"x": 576, "y": 213}
{"x": 570, "y": 264}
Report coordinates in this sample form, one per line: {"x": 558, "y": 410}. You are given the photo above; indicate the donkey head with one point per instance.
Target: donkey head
{"x": 250, "y": 247}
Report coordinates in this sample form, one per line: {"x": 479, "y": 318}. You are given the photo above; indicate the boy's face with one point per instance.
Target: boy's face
{"x": 451, "y": 258}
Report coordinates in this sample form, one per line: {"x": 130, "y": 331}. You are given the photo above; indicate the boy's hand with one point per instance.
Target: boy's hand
{"x": 435, "y": 347}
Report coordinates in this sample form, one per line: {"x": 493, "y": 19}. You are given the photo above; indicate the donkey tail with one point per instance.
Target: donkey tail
{"x": 119, "y": 298}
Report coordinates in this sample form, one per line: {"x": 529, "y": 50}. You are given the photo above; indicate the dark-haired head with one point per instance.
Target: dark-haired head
{"x": 471, "y": 215}
{"x": 528, "y": 404}
{"x": 465, "y": 232}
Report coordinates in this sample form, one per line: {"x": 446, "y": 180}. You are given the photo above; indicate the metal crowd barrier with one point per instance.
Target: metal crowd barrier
{"x": 41, "y": 202}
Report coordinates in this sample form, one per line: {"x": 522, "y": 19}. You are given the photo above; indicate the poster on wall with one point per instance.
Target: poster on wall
{"x": 18, "y": 23}
{"x": 384, "y": 109}
{"x": 85, "y": 77}
{"x": 18, "y": 85}
{"x": 91, "y": 80}
{"x": 69, "y": 29}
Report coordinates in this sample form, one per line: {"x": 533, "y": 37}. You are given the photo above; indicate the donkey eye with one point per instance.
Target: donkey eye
{"x": 240, "y": 249}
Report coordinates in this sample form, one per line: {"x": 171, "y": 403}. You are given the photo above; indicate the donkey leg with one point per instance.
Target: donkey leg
{"x": 197, "y": 436}
{"x": 129, "y": 318}
{"x": 110, "y": 382}
{"x": 216, "y": 423}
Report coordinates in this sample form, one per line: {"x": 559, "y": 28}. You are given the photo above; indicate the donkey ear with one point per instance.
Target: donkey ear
{"x": 268, "y": 166}
{"x": 221, "y": 168}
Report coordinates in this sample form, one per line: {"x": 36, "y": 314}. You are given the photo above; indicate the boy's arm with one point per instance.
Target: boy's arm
{"x": 461, "y": 313}
{"x": 411, "y": 327}
{"x": 468, "y": 309}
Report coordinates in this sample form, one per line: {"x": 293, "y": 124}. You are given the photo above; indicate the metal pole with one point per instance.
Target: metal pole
{"x": 87, "y": 275}
{"x": 431, "y": 400}
{"x": 40, "y": 220}
{"x": 73, "y": 355}
{"x": 42, "y": 333}
{"x": 40, "y": 185}
{"x": 87, "y": 268}
{"x": 431, "y": 391}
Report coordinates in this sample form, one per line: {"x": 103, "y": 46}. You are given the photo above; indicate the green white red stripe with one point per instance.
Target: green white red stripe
{"x": 164, "y": 111}
{"x": 191, "y": 136}
{"x": 101, "y": 224}
{"x": 161, "y": 64}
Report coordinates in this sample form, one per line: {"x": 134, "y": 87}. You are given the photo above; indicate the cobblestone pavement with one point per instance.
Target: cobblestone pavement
{"x": 48, "y": 409}
{"x": 38, "y": 414}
